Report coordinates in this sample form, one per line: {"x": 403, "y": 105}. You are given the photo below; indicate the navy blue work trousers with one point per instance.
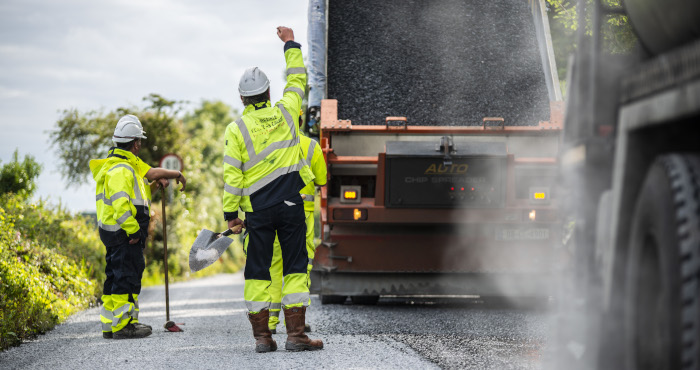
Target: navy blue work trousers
{"x": 286, "y": 220}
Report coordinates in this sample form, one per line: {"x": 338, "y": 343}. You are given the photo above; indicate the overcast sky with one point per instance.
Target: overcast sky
{"x": 105, "y": 54}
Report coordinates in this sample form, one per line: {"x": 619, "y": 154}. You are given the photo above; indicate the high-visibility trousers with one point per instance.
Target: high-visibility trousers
{"x": 287, "y": 222}
{"x": 124, "y": 270}
{"x": 276, "y": 270}
{"x": 127, "y": 311}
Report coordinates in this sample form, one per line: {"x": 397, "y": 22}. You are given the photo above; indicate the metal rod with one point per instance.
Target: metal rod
{"x": 165, "y": 258}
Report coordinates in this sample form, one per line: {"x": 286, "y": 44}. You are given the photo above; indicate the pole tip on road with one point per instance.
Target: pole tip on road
{"x": 173, "y": 327}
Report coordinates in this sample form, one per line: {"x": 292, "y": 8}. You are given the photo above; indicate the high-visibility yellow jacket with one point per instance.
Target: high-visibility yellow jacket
{"x": 121, "y": 194}
{"x": 314, "y": 156}
{"x": 263, "y": 161}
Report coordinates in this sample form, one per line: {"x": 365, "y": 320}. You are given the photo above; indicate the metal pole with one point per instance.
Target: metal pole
{"x": 165, "y": 258}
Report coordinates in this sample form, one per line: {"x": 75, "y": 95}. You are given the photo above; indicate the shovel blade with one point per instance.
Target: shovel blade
{"x": 207, "y": 248}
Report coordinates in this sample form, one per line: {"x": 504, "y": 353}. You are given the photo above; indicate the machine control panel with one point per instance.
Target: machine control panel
{"x": 425, "y": 175}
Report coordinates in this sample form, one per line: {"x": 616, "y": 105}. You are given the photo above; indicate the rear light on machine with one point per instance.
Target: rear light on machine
{"x": 532, "y": 215}
{"x": 350, "y": 194}
{"x": 350, "y": 214}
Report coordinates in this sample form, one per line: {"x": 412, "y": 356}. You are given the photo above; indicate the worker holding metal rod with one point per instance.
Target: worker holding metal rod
{"x": 122, "y": 201}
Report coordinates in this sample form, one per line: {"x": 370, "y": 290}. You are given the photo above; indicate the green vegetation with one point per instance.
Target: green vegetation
{"x": 18, "y": 177}
{"x": 52, "y": 262}
{"x": 563, "y": 43}
{"x": 616, "y": 31}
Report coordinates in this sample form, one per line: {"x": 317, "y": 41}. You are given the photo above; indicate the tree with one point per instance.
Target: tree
{"x": 617, "y": 34}
{"x": 80, "y": 137}
{"x": 18, "y": 177}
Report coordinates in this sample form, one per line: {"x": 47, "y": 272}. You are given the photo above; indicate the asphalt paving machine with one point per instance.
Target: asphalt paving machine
{"x": 440, "y": 124}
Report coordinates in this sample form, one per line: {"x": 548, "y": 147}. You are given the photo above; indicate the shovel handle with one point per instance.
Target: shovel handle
{"x": 232, "y": 230}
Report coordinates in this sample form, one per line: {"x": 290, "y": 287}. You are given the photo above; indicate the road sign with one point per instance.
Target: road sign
{"x": 171, "y": 162}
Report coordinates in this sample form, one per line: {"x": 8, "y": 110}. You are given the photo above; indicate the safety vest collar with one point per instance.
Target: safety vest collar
{"x": 253, "y": 107}
{"x": 122, "y": 154}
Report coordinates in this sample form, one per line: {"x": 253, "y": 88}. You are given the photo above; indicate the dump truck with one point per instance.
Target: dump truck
{"x": 631, "y": 162}
{"x": 440, "y": 125}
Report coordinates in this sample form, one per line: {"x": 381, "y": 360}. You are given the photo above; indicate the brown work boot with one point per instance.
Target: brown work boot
{"x": 295, "y": 319}
{"x": 262, "y": 334}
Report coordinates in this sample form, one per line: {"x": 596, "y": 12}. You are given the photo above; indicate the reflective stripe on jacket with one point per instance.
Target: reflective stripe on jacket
{"x": 314, "y": 156}
{"x": 120, "y": 193}
{"x": 263, "y": 163}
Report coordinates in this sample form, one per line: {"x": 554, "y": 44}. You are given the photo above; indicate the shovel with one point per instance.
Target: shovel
{"x": 169, "y": 325}
{"x": 209, "y": 246}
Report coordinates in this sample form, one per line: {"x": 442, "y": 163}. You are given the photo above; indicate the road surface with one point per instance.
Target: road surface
{"x": 395, "y": 334}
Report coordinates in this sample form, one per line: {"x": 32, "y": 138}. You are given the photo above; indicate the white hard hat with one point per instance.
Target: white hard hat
{"x": 128, "y": 128}
{"x": 253, "y": 82}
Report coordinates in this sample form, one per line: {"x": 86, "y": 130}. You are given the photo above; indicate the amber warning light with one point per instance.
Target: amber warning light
{"x": 350, "y": 194}
{"x": 539, "y": 195}
{"x": 357, "y": 214}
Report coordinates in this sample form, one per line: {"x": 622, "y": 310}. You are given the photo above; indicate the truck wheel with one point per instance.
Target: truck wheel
{"x": 662, "y": 303}
{"x": 365, "y": 299}
{"x": 333, "y": 299}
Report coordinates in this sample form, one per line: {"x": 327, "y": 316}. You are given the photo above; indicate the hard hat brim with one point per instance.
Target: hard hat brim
{"x": 121, "y": 139}
{"x": 256, "y": 91}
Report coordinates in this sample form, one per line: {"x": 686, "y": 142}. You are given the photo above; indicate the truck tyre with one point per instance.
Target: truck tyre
{"x": 662, "y": 304}
{"x": 333, "y": 299}
{"x": 365, "y": 299}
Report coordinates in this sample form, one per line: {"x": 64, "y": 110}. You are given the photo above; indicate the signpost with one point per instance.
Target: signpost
{"x": 173, "y": 162}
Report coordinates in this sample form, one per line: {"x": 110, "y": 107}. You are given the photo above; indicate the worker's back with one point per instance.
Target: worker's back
{"x": 263, "y": 163}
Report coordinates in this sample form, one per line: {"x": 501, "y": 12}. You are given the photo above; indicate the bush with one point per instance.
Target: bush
{"x": 18, "y": 177}
{"x": 72, "y": 236}
{"x": 40, "y": 284}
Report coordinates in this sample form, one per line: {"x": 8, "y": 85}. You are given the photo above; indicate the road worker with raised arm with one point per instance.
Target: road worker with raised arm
{"x": 264, "y": 170}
